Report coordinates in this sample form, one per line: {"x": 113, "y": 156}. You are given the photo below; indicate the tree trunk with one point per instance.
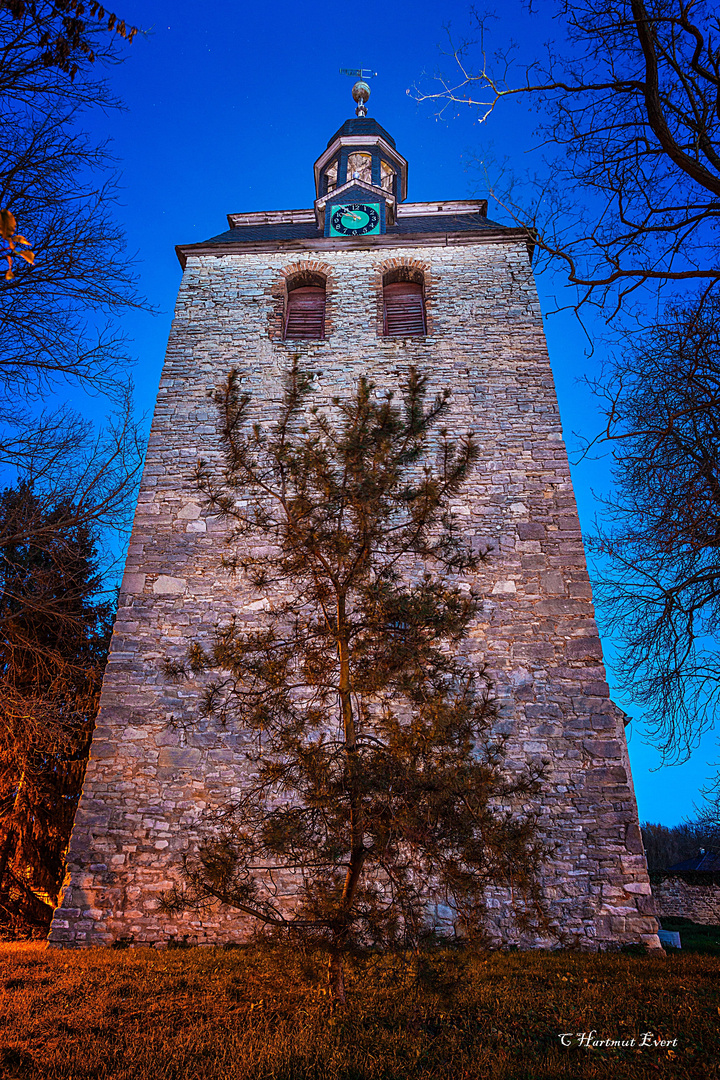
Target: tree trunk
{"x": 357, "y": 825}
{"x": 5, "y": 853}
{"x": 336, "y": 980}
{"x": 10, "y": 836}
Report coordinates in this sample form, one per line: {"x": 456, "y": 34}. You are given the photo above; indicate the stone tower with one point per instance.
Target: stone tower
{"x": 363, "y": 282}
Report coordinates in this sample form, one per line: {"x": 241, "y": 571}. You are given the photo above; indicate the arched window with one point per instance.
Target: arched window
{"x": 387, "y": 176}
{"x": 360, "y": 167}
{"x": 331, "y": 176}
{"x": 305, "y": 312}
{"x": 404, "y": 303}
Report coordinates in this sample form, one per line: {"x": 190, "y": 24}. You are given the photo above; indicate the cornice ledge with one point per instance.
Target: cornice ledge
{"x": 367, "y": 243}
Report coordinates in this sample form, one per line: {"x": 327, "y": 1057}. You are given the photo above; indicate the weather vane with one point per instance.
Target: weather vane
{"x": 361, "y": 90}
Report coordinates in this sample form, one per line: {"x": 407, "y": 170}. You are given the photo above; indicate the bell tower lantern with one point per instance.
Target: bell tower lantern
{"x": 360, "y": 167}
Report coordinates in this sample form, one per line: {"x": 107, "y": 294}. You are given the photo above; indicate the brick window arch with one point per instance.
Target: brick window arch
{"x": 404, "y": 302}
{"x": 305, "y": 307}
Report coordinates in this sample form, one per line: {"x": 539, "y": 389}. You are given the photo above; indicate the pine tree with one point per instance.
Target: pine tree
{"x": 54, "y": 635}
{"x": 375, "y": 785}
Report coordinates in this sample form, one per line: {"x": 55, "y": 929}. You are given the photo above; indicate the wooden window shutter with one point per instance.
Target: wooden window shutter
{"x": 306, "y": 312}
{"x": 404, "y": 310}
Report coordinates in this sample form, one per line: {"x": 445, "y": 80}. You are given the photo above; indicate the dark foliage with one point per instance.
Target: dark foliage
{"x": 56, "y": 36}
{"x": 374, "y": 785}
{"x": 54, "y": 633}
{"x": 664, "y": 847}
{"x": 64, "y": 32}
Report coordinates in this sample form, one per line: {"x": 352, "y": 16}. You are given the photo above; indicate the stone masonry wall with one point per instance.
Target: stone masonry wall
{"x": 151, "y": 775}
{"x": 701, "y": 903}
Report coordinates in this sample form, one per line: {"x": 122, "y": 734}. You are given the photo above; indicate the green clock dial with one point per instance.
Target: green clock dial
{"x": 355, "y": 219}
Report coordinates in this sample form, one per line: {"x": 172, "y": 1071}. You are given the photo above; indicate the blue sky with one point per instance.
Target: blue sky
{"x": 228, "y": 105}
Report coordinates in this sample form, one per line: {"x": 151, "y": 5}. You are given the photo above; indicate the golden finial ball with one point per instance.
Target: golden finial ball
{"x": 360, "y": 92}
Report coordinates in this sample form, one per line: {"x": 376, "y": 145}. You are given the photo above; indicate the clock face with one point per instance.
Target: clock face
{"x": 355, "y": 219}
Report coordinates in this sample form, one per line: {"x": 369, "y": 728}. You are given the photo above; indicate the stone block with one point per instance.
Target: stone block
{"x": 583, "y": 648}
{"x": 638, "y": 887}
{"x": 132, "y": 583}
{"x": 169, "y": 586}
{"x": 633, "y": 839}
{"x": 189, "y": 512}
{"x": 553, "y": 582}
{"x": 179, "y": 757}
{"x": 504, "y": 588}
{"x": 560, "y": 607}
{"x": 602, "y": 748}
{"x": 614, "y": 774}
{"x": 646, "y": 905}
{"x": 531, "y": 531}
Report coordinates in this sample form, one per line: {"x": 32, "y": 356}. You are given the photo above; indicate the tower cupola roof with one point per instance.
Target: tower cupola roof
{"x": 362, "y": 125}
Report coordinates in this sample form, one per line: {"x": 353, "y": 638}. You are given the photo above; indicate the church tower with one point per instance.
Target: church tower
{"x": 362, "y": 282}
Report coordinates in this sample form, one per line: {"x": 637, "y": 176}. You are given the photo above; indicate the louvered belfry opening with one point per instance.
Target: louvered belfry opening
{"x": 404, "y": 308}
{"x": 305, "y": 314}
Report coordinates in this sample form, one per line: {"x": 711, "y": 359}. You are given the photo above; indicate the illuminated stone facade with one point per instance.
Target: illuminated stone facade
{"x": 153, "y": 773}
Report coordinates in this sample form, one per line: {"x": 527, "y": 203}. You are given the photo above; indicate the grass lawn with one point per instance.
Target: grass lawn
{"x": 246, "y": 1014}
{"x": 694, "y": 936}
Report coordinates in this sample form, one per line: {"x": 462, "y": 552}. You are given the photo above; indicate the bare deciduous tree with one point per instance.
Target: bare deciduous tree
{"x": 58, "y": 184}
{"x": 630, "y": 192}
{"x": 64, "y": 34}
{"x": 628, "y": 202}
{"x": 658, "y": 583}
{"x": 56, "y": 312}
{"x": 68, "y": 462}
{"x": 49, "y": 49}
{"x": 44, "y": 45}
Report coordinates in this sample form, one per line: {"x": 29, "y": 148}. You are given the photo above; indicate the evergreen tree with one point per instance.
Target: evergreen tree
{"x": 376, "y": 796}
{"x": 54, "y": 635}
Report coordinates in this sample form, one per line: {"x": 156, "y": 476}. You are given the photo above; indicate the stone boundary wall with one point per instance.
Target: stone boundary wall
{"x": 155, "y": 770}
{"x": 701, "y": 903}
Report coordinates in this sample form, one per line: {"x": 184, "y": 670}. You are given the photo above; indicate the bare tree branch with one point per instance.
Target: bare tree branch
{"x": 630, "y": 196}
{"x": 658, "y": 571}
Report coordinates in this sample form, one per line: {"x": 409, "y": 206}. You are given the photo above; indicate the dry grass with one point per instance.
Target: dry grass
{"x": 208, "y": 1014}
